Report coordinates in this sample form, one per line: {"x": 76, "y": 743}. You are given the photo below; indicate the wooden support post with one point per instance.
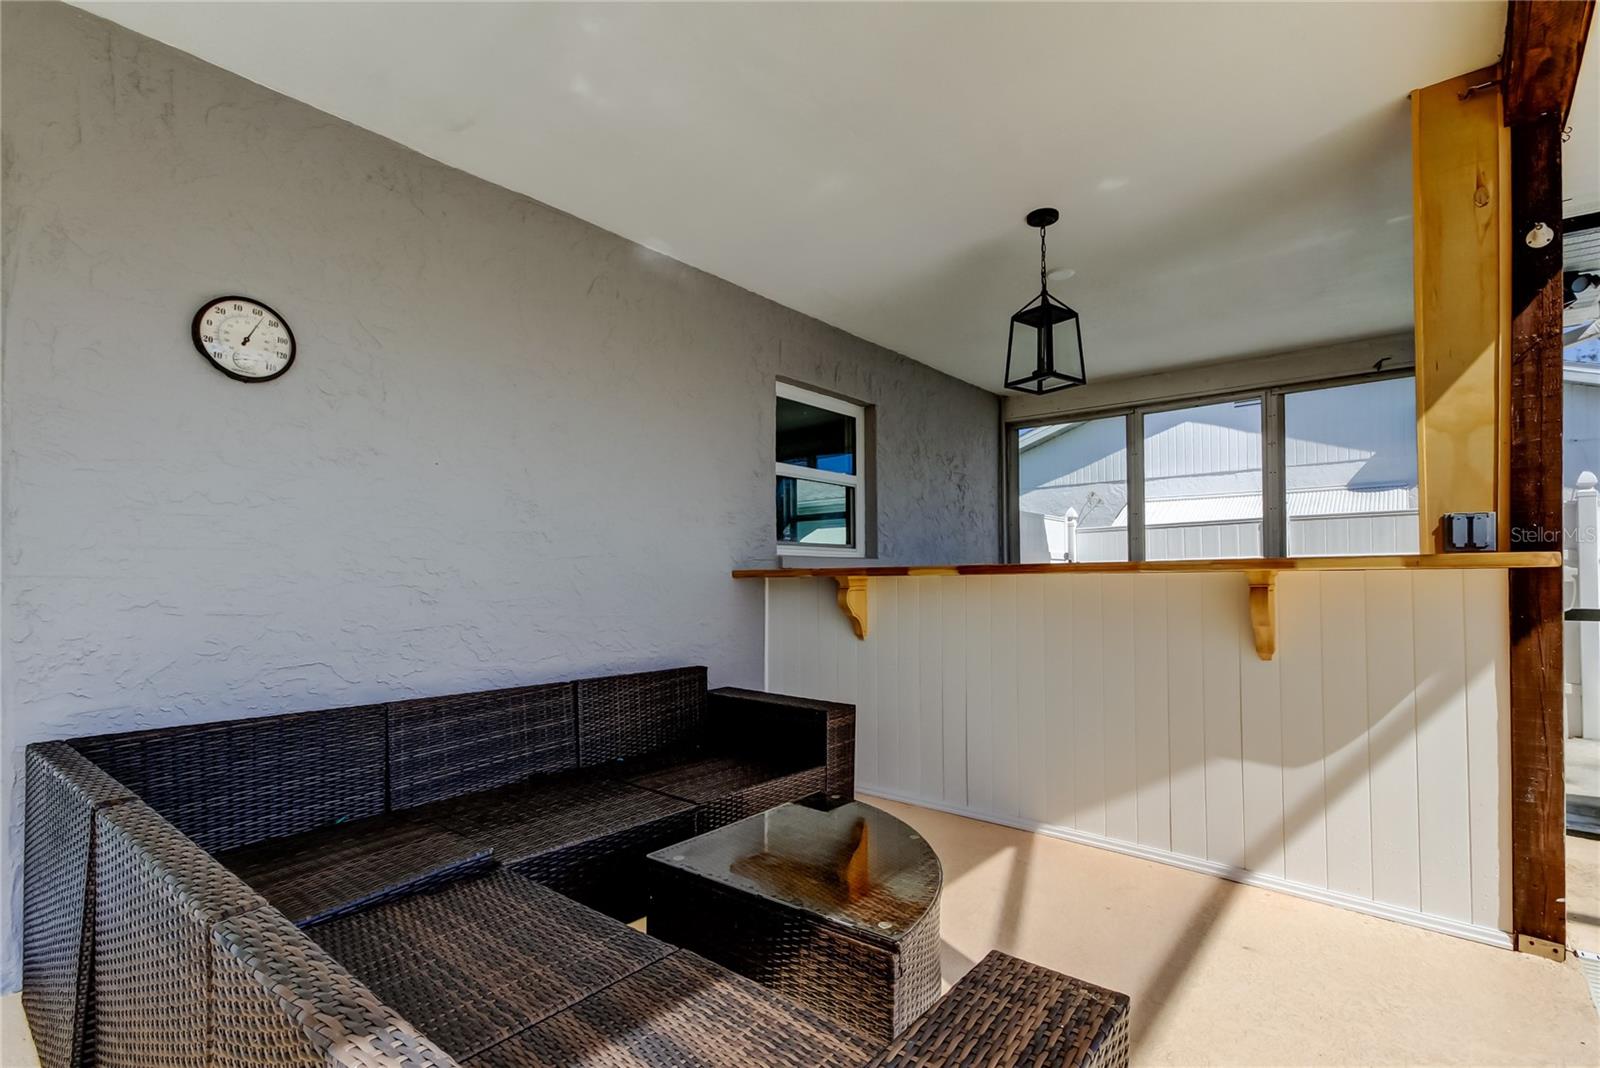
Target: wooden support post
{"x": 1538, "y": 803}
{"x": 1538, "y": 72}
{"x": 1543, "y": 52}
{"x": 1460, "y": 207}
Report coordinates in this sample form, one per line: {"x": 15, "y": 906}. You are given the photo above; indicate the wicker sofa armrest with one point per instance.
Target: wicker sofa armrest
{"x": 280, "y": 1000}
{"x": 157, "y": 897}
{"x": 64, "y": 790}
{"x": 781, "y": 725}
{"x": 1007, "y": 1011}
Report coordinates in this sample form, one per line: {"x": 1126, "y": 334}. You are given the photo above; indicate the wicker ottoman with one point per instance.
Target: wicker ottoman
{"x": 838, "y": 910}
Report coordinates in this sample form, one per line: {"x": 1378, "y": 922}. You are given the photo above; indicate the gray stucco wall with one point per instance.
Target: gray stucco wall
{"x": 513, "y": 447}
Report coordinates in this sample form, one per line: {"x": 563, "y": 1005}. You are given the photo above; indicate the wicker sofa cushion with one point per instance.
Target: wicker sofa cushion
{"x": 580, "y": 833}
{"x": 236, "y": 782}
{"x": 484, "y": 958}
{"x": 528, "y": 820}
{"x": 322, "y": 874}
{"x": 442, "y": 747}
{"x": 725, "y": 787}
{"x": 1013, "y": 1008}
{"x": 681, "y": 1010}
{"x": 622, "y": 716}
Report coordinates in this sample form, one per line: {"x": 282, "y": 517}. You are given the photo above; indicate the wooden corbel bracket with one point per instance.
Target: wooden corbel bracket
{"x": 853, "y": 601}
{"x": 1264, "y": 611}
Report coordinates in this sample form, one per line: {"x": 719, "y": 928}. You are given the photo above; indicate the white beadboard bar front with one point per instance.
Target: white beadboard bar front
{"x": 1363, "y": 766}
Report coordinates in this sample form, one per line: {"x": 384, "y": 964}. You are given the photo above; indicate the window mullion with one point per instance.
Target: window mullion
{"x": 811, "y": 474}
{"x": 1135, "y": 476}
{"x": 1274, "y": 482}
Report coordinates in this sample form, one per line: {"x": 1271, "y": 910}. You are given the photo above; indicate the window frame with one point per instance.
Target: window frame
{"x": 1274, "y": 523}
{"x": 856, "y": 482}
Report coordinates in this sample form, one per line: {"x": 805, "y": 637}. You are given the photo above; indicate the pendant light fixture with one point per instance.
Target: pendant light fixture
{"x": 1044, "y": 351}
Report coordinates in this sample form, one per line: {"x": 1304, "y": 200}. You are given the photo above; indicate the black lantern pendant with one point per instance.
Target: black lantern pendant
{"x": 1045, "y": 350}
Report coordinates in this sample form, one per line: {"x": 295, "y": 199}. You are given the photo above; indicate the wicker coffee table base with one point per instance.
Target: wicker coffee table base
{"x": 874, "y": 990}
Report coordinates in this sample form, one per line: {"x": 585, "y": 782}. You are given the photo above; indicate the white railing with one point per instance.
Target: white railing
{"x": 1585, "y": 571}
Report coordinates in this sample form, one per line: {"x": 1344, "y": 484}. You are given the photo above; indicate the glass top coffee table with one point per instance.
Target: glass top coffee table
{"x": 838, "y": 909}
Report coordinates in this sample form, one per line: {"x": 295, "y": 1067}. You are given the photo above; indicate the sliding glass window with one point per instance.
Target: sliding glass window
{"x": 1301, "y": 471}
{"x": 1350, "y": 469}
{"x": 1072, "y": 492}
{"x": 1202, "y": 482}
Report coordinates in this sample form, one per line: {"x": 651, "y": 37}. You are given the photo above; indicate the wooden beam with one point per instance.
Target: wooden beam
{"x": 1543, "y": 50}
{"x": 1460, "y": 220}
{"x": 1538, "y": 809}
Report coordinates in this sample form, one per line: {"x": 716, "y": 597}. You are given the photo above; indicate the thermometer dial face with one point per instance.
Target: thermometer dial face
{"x": 244, "y": 339}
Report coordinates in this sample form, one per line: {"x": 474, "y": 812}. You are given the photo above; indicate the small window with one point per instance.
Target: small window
{"x": 819, "y": 474}
{"x": 1350, "y": 469}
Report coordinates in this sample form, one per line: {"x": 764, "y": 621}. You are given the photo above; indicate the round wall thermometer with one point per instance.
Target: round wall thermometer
{"x": 244, "y": 339}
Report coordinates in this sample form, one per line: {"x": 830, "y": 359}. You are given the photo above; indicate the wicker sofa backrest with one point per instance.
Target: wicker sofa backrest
{"x": 441, "y": 747}
{"x": 622, "y": 716}
{"x": 237, "y": 782}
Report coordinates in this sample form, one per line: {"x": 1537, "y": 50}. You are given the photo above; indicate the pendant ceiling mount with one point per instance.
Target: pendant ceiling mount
{"x": 1044, "y": 349}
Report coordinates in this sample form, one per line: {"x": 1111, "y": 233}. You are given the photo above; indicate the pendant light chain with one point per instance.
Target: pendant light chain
{"x": 1041, "y": 258}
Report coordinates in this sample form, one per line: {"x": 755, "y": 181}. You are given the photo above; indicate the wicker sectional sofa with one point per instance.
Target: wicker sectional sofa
{"x": 443, "y": 881}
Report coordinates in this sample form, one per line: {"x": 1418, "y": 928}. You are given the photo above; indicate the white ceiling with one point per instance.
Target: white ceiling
{"x": 1232, "y": 178}
{"x": 1580, "y": 159}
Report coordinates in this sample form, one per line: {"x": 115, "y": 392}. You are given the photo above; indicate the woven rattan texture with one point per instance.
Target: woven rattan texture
{"x": 63, "y": 792}
{"x": 1006, "y": 1011}
{"x": 281, "y": 1002}
{"x": 442, "y": 747}
{"x": 484, "y": 958}
{"x": 737, "y": 804}
{"x": 583, "y": 835}
{"x": 230, "y": 784}
{"x": 607, "y": 872}
{"x": 623, "y": 716}
{"x": 316, "y": 876}
{"x": 756, "y": 722}
{"x": 681, "y": 1011}
{"x": 157, "y": 896}
{"x": 874, "y": 988}
{"x": 299, "y": 804}
{"x": 727, "y": 788}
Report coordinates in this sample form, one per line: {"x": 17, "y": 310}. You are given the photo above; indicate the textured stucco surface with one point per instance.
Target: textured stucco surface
{"x": 514, "y": 447}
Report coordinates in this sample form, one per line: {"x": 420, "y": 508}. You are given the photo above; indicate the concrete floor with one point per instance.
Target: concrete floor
{"x": 1226, "y": 974}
